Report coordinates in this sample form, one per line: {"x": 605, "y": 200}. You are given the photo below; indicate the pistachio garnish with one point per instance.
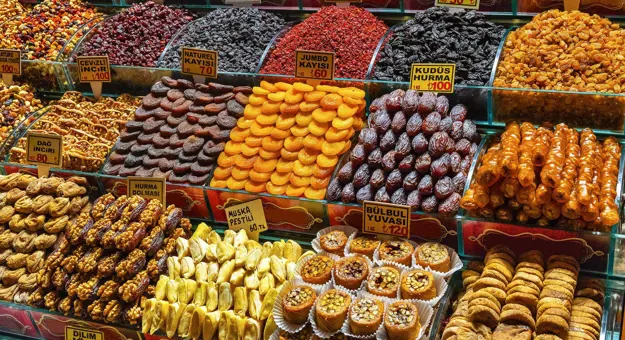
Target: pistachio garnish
{"x": 365, "y": 309}
{"x": 401, "y": 314}
{"x": 432, "y": 252}
{"x": 298, "y": 295}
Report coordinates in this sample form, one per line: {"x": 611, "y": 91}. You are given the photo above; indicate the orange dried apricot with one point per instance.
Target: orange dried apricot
{"x": 289, "y": 108}
{"x": 253, "y": 186}
{"x": 249, "y": 151}
{"x": 351, "y": 133}
{"x": 299, "y": 181}
{"x": 332, "y": 148}
{"x": 358, "y": 124}
{"x": 346, "y": 110}
{"x": 270, "y": 107}
{"x": 268, "y": 86}
{"x": 293, "y": 143}
{"x": 326, "y": 161}
{"x": 256, "y": 99}
{"x": 294, "y": 191}
{"x": 285, "y": 122}
{"x": 336, "y": 135}
{"x": 312, "y": 141}
{"x": 259, "y": 176}
{"x": 245, "y": 162}
{"x": 348, "y": 145}
{"x": 331, "y": 101}
{"x": 251, "y": 111}
{"x": 265, "y": 165}
{"x": 319, "y": 183}
{"x": 267, "y": 119}
{"x": 272, "y": 144}
{"x": 299, "y": 86}
{"x": 314, "y": 96}
{"x": 264, "y": 154}
{"x": 238, "y": 134}
{"x": 279, "y": 179}
{"x": 353, "y": 101}
{"x": 339, "y": 123}
{"x": 218, "y": 183}
{"x": 240, "y": 174}
{"x": 324, "y": 116}
{"x": 303, "y": 119}
{"x": 299, "y": 131}
{"x": 315, "y": 194}
{"x": 308, "y": 156}
{"x": 245, "y": 123}
{"x": 260, "y": 91}
{"x": 284, "y": 166}
{"x": 317, "y": 128}
{"x": 232, "y": 148}
{"x": 234, "y": 184}
{"x": 254, "y": 141}
{"x": 277, "y": 96}
{"x": 328, "y": 88}
{"x": 283, "y": 86}
{"x": 280, "y": 134}
{"x": 352, "y": 92}
{"x": 320, "y": 172}
{"x": 293, "y": 97}
{"x": 275, "y": 189}
{"x": 225, "y": 161}
{"x": 288, "y": 155}
{"x": 261, "y": 130}
{"x": 222, "y": 173}
{"x": 308, "y": 107}
{"x": 302, "y": 170}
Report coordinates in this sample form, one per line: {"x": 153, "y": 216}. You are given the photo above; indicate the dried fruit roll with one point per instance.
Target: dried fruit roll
{"x": 526, "y": 166}
{"x": 562, "y": 192}
{"x": 543, "y": 194}
{"x": 509, "y": 158}
{"x": 584, "y": 186}
{"x": 542, "y": 143}
{"x": 609, "y": 180}
{"x": 490, "y": 171}
{"x": 476, "y": 197}
{"x": 590, "y": 211}
{"x": 550, "y": 173}
{"x": 552, "y": 210}
{"x": 526, "y": 194}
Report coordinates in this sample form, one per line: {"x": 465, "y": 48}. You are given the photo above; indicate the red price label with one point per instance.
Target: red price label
{"x": 433, "y": 77}
{"x": 44, "y": 149}
{"x": 386, "y": 219}
{"x": 199, "y": 62}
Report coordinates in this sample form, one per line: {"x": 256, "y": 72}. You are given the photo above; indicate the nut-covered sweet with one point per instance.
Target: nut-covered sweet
{"x": 88, "y": 263}
{"x": 131, "y": 265}
{"x": 317, "y": 269}
{"x": 132, "y": 289}
{"x": 106, "y": 265}
{"x": 88, "y": 289}
{"x": 108, "y": 291}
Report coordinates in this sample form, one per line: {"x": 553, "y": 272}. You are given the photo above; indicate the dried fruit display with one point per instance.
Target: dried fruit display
{"x": 137, "y": 36}
{"x": 51, "y": 18}
{"x": 17, "y": 102}
{"x": 351, "y": 32}
{"x": 551, "y": 177}
{"x": 35, "y": 213}
{"x": 240, "y": 35}
{"x": 178, "y": 131}
{"x": 437, "y": 35}
{"x": 212, "y": 283}
{"x": 289, "y": 139}
{"x": 10, "y": 8}
{"x": 416, "y": 151}
{"x": 112, "y": 255}
{"x": 89, "y": 129}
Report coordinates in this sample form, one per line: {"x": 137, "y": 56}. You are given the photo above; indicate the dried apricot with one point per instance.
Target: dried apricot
{"x": 294, "y": 191}
{"x": 317, "y": 128}
{"x": 358, "y": 124}
{"x": 238, "y": 134}
{"x": 260, "y": 91}
{"x": 270, "y": 107}
{"x": 324, "y": 116}
{"x": 256, "y": 99}
{"x": 288, "y": 155}
{"x": 284, "y": 166}
{"x": 268, "y": 86}
{"x": 259, "y": 176}
{"x": 249, "y": 151}
{"x": 313, "y": 142}
{"x": 289, "y": 108}
{"x": 336, "y": 135}
{"x": 328, "y": 88}
{"x": 331, "y": 101}
{"x": 332, "y": 148}
{"x": 285, "y": 122}
{"x": 293, "y": 143}
{"x": 283, "y": 86}
{"x": 314, "y": 96}
{"x": 245, "y": 162}
{"x": 319, "y": 183}
{"x": 299, "y": 131}
{"x": 225, "y": 161}
{"x": 301, "y": 169}
{"x": 234, "y": 184}
{"x": 346, "y": 110}
{"x": 351, "y": 133}
{"x": 265, "y": 119}
{"x": 279, "y": 179}
{"x": 326, "y": 161}
{"x": 340, "y": 123}
{"x": 264, "y": 154}
{"x": 280, "y": 134}
{"x": 346, "y": 148}
{"x": 275, "y": 189}
{"x": 254, "y": 141}
{"x": 253, "y": 186}
{"x": 240, "y": 174}
{"x": 251, "y": 111}
{"x": 352, "y": 92}
{"x": 293, "y": 97}
{"x": 353, "y": 101}
{"x": 299, "y": 181}
{"x": 276, "y": 96}
{"x": 222, "y": 173}
{"x": 232, "y": 148}
{"x": 261, "y": 130}
{"x": 218, "y": 183}
{"x": 315, "y": 194}
{"x": 265, "y": 165}
{"x": 308, "y": 106}
{"x": 272, "y": 144}
{"x": 244, "y": 123}
{"x": 320, "y": 172}
{"x": 303, "y": 119}
{"x": 299, "y": 86}
{"x": 308, "y": 156}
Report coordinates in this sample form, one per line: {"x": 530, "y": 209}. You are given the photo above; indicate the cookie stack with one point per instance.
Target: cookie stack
{"x": 586, "y": 310}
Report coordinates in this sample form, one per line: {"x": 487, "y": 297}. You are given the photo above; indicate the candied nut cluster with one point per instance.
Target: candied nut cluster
{"x": 89, "y": 129}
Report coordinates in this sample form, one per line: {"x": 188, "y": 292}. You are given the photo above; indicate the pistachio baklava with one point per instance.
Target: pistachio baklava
{"x": 334, "y": 242}
{"x": 433, "y": 255}
{"x": 384, "y": 281}
{"x": 365, "y": 316}
{"x": 402, "y": 321}
{"x": 351, "y": 271}
{"x": 418, "y": 284}
{"x": 297, "y": 303}
{"x": 331, "y": 310}
{"x": 364, "y": 245}
{"x": 317, "y": 269}
{"x": 396, "y": 250}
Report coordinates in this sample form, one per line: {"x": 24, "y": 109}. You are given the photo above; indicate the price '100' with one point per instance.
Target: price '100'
{"x": 440, "y": 85}
{"x": 100, "y": 76}
{"x": 394, "y": 230}
{"x": 8, "y": 69}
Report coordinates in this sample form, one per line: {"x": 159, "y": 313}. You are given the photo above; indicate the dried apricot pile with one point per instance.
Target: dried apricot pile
{"x": 290, "y": 139}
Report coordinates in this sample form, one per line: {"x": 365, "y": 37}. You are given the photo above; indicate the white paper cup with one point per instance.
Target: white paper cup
{"x": 354, "y": 292}
{"x": 455, "y": 263}
{"x": 425, "y": 313}
{"x": 278, "y": 308}
{"x": 380, "y": 262}
{"x": 312, "y": 318}
{"x": 346, "y": 327}
{"x": 302, "y": 261}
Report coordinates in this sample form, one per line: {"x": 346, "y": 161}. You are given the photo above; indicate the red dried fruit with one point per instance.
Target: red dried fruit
{"x": 364, "y": 194}
{"x": 186, "y": 158}
{"x": 212, "y": 149}
{"x": 143, "y": 172}
{"x": 420, "y": 143}
{"x": 413, "y": 125}
{"x": 203, "y": 99}
{"x": 358, "y": 155}
{"x": 141, "y": 114}
{"x": 422, "y": 163}
{"x": 111, "y": 169}
{"x": 406, "y": 164}
{"x": 394, "y": 181}
{"x": 411, "y": 181}
{"x": 438, "y": 144}
{"x": 446, "y": 125}
{"x": 223, "y": 98}
{"x": 466, "y": 164}
{"x": 402, "y": 146}
{"x": 150, "y": 102}
{"x": 221, "y": 88}
{"x": 431, "y": 123}
{"x": 242, "y": 99}
{"x": 174, "y": 94}
{"x": 375, "y": 158}
{"x": 454, "y": 161}
{"x": 161, "y": 114}
{"x": 451, "y": 205}
{"x": 133, "y": 161}
{"x": 171, "y": 152}
{"x": 394, "y": 100}
{"x": 456, "y": 131}
{"x": 146, "y": 138}
{"x": 173, "y": 178}
{"x": 242, "y": 89}
{"x": 410, "y": 102}
{"x": 234, "y": 108}
{"x": 169, "y": 81}
{"x": 190, "y": 94}
{"x": 176, "y": 141}
{"x": 429, "y": 204}
{"x": 185, "y": 129}
{"x": 205, "y": 160}
{"x": 469, "y": 131}
{"x": 159, "y": 141}
{"x": 208, "y": 120}
{"x": 399, "y": 197}
{"x": 387, "y": 142}
{"x": 192, "y": 145}
{"x": 414, "y": 200}
{"x": 463, "y": 147}
{"x": 442, "y": 105}
{"x": 150, "y": 162}
{"x": 159, "y": 89}
{"x": 185, "y": 84}
{"x": 458, "y": 113}
{"x": 378, "y": 104}
{"x": 199, "y": 109}
{"x": 180, "y": 107}
{"x": 443, "y": 188}
{"x": 368, "y": 138}
{"x": 361, "y": 176}
{"x": 426, "y": 185}
{"x": 155, "y": 152}
{"x": 382, "y": 196}
{"x": 125, "y": 172}
{"x": 427, "y": 103}
{"x": 458, "y": 182}
{"x": 378, "y": 179}
{"x": 133, "y": 126}
{"x": 182, "y": 168}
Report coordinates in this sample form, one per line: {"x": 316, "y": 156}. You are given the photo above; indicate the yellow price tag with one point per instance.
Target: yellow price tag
{"x": 386, "y": 219}
{"x": 42, "y": 149}
{"x": 314, "y": 65}
{"x": 79, "y": 333}
{"x": 94, "y": 69}
{"x": 433, "y": 77}
{"x": 147, "y": 187}
{"x": 199, "y": 62}
{"x": 469, "y": 4}
{"x": 249, "y": 216}
{"x": 11, "y": 62}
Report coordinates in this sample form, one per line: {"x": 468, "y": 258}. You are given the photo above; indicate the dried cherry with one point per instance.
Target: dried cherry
{"x": 429, "y": 204}
{"x": 426, "y": 185}
{"x": 388, "y": 141}
{"x": 458, "y": 113}
{"x": 413, "y": 125}
{"x": 410, "y": 103}
{"x": 358, "y": 155}
{"x": 361, "y": 176}
{"x": 399, "y": 197}
{"x": 389, "y": 161}
{"x": 398, "y": 124}
{"x": 364, "y": 194}
{"x": 382, "y": 196}
{"x": 375, "y": 158}
{"x": 411, "y": 181}
{"x": 348, "y": 194}
{"x": 422, "y": 163}
{"x": 394, "y": 181}
{"x": 431, "y": 123}
{"x": 368, "y": 138}
{"x": 451, "y": 205}
{"x": 377, "y": 179}
{"x": 346, "y": 173}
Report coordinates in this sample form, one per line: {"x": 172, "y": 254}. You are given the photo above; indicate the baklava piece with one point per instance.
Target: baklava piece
{"x": 297, "y": 304}
{"x": 418, "y": 284}
{"x": 350, "y": 272}
{"x": 317, "y": 270}
{"x": 402, "y": 321}
{"x": 364, "y": 245}
{"x": 331, "y": 309}
{"x": 433, "y": 255}
{"x": 399, "y": 251}
{"x": 334, "y": 242}
{"x": 365, "y": 316}
{"x": 384, "y": 281}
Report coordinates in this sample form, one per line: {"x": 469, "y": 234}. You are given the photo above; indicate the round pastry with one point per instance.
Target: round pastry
{"x": 334, "y": 242}
{"x": 317, "y": 270}
{"x": 331, "y": 310}
{"x": 297, "y": 303}
{"x": 402, "y": 321}
{"x": 433, "y": 255}
{"x": 383, "y": 281}
{"x": 349, "y": 272}
{"x": 399, "y": 251}
{"x": 418, "y": 284}
{"x": 365, "y": 316}
{"x": 364, "y": 245}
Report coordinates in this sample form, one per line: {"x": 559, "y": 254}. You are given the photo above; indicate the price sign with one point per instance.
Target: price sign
{"x": 249, "y": 216}
{"x": 470, "y": 4}
{"x": 314, "y": 65}
{"x": 45, "y": 151}
{"x": 94, "y": 69}
{"x": 386, "y": 219}
{"x": 433, "y": 77}
{"x": 79, "y": 333}
{"x": 147, "y": 187}
{"x": 10, "y": 65}
{"x": 199, "y": 62}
